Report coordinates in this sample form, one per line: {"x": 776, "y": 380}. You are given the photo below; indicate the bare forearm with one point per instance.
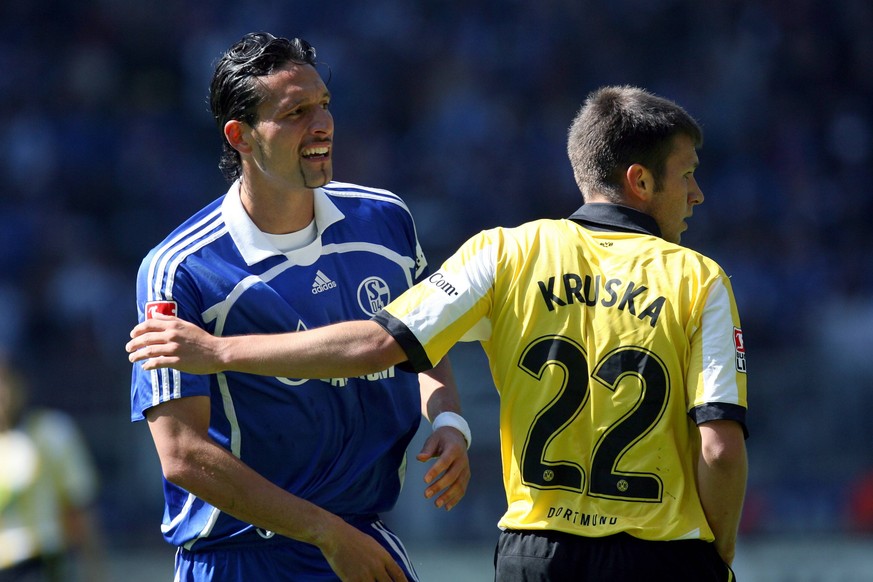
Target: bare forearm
{"x": 195, "y": 462}
{"x": 345, "y": 349}
{"x": 349, "y": 349}
{"x": 439, "y": 391}
{"x": 222, "y": 480}
{"x": 721, "y": 481}
{"x": 722, "y": 493}
{"x": 448, "y": 477}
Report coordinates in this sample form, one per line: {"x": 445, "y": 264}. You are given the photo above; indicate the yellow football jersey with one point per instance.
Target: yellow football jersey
{"x": 607, "y": 345}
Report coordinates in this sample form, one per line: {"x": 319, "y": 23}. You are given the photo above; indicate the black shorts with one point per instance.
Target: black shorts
{"x": 550, "y": 556}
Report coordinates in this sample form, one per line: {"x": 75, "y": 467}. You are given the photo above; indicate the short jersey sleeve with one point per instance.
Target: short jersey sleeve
{"x": 176, "y": 295}
{"x": 717, "y": 366}
{"x": 452, "y": 304}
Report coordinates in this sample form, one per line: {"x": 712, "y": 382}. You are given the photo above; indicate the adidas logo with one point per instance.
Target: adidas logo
{"x": 322, "y": 283}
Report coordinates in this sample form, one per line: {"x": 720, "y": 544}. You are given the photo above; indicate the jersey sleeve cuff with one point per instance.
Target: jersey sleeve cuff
{"x": 720, "y": 411}
{"x": 417, "y": 360}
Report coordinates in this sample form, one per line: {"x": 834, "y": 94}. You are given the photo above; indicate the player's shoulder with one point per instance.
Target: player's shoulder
{"x": 346, "y": 191}
{"x": 515, "y": 242}
{"x": 366, "y": 202}
{"x": 691, "y": 255}
{"x": 689, "y": 260}
{"x": 205, "y": 225}
{"x": 546, "y": 228}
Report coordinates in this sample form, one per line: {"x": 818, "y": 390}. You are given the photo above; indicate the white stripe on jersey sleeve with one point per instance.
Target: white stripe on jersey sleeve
{"x": 162, "y": 256}
{"x": 166, "y": 261}
{"x": 171, "y": 274}
{"x": 358, "y": 191}
{"x": 481, "y": 273}
{"x": 719, "y": 352}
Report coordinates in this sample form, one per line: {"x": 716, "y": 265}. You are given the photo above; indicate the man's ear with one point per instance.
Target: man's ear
{"x": 237, "y": 135}
{"x": 639, "y": 183}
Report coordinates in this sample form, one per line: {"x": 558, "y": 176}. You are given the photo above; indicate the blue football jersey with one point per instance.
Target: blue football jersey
{"x": 337, "y": 442}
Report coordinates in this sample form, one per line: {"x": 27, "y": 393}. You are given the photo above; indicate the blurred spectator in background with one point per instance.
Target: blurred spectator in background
{"x": 48, "y": 484}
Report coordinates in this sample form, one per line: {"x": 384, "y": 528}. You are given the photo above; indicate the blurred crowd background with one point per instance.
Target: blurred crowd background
{"x": 461, "y": 108}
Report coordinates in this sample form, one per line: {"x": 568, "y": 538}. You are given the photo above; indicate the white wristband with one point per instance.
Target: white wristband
{"x": 455, "y": 421}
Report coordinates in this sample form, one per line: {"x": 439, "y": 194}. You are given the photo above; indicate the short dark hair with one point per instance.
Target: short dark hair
{"x": 234, "y": 92}
{"x": 619, "y": 126}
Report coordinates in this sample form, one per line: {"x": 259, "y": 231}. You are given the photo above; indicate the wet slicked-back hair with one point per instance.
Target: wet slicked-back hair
{"x": 234, "y": 92}
{"x": 619, "y": 126}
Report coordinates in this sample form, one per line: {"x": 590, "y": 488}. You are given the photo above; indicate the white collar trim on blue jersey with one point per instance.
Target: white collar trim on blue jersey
{"x": 251, "y": 242}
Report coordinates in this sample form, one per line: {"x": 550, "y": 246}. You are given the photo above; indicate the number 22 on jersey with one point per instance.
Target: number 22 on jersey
{"x": 630, "y": 366}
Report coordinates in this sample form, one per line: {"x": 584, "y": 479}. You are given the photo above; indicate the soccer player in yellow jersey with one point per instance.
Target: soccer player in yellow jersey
{"x": 618, "y": 355}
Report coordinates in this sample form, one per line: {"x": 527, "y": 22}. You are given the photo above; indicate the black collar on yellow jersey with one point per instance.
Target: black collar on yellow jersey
{"x": 614, "y": 217}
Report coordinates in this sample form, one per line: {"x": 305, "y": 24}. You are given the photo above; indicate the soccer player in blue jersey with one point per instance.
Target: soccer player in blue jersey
{"x": 618, "y": 355}
{"x": 276, "y": 477}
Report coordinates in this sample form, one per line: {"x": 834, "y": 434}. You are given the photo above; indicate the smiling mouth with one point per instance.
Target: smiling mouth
{"x": 316, "y": 153}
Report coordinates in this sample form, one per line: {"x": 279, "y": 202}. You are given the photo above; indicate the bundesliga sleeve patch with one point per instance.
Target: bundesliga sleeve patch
{"x": 740, "y": 348}
{"x": 162, "y": 307}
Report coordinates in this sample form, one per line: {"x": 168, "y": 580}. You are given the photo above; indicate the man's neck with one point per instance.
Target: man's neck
{"x": 277, "y": 212}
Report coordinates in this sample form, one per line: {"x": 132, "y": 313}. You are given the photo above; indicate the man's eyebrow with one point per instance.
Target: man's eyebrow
{"x": 291, "y": 101}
